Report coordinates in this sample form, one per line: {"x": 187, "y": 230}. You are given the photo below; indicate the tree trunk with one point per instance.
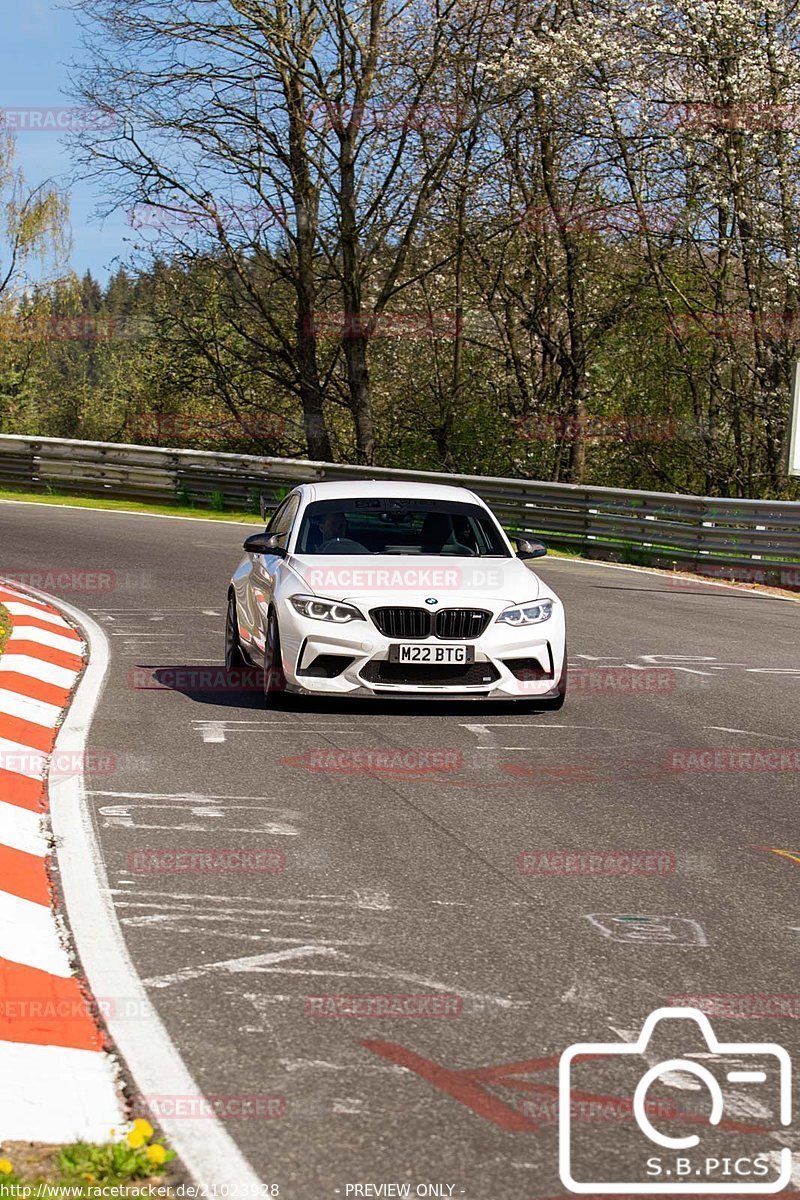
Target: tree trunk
{"x": 357, "y": 328}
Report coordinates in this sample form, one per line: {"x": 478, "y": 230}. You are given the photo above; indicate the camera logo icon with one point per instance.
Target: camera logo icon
{"x": 676, "y": 1119}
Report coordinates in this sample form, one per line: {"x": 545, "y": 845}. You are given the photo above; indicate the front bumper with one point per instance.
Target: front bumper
{"x": 535, "y": 652}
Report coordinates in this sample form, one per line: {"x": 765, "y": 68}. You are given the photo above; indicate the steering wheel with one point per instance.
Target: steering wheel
{"x": 341, "y": 545}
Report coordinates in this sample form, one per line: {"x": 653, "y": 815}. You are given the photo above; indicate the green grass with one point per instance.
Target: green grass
{"x": 5, "y": 627}
{"x": 172, "y": 510}
{"x": 84, "y": 1167}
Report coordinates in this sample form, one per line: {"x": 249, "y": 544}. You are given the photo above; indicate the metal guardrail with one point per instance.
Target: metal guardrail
{"x": 756, "y": 540}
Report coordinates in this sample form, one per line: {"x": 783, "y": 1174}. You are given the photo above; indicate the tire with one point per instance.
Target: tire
{"x": 274, "y": 678}
{"x": 234, "y": 659}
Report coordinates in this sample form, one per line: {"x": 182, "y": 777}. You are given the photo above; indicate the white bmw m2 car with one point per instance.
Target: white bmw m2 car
{"x": 395, "y": 589}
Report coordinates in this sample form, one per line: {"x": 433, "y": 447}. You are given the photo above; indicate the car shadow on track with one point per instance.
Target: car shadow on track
{"x": 243, "y": 688}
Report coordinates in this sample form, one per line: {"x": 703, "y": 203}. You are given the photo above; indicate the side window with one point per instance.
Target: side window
{"x": 283, "y": 517}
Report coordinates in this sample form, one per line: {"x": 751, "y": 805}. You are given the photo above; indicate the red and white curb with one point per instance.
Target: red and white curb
{"x": 205, "y": 1148}
{"x": 57, "y": 1082}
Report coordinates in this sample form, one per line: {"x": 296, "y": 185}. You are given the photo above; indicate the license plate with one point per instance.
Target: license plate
{"x": 413, "y": 652}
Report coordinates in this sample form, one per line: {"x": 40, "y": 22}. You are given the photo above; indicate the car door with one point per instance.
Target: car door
{"x": 262, "y": 578}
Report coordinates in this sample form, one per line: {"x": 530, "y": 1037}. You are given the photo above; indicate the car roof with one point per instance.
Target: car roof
{"x": 353, "y": 489}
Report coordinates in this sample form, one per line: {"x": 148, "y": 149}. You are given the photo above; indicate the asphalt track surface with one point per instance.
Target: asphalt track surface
{"x": 408, "y": 882}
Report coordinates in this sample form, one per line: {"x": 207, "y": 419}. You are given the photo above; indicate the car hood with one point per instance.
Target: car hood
{"x": 410, "y": 579}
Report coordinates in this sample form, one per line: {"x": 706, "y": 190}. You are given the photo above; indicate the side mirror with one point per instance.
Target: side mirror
{"x": 264, "y": 543}
{"x": 530, "y": 549}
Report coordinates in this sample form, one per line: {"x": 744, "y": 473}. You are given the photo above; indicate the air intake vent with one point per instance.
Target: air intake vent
{"x": 430, "y": 675}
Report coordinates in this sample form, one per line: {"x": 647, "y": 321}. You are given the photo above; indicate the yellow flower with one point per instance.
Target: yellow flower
{"x": 156, "y": 1154}
{"x": 5, "y": 1167}
{"x": 89, "y": 1178}
{"x": 143, "y": 1127}
{"x": 135, "y": 1140}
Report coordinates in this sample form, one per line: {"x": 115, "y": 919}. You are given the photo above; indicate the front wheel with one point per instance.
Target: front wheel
{"x": 274, "y": 678}
{"x": 234, "y": 659}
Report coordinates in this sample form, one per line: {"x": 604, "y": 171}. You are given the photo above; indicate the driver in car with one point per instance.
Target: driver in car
{"x": 334, "y": 535}
{"x": 333, "y": 526}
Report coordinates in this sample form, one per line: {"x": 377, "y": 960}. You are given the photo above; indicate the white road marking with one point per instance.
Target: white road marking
{"x": 274, "y": 821}
{"x": 319, "y": 1064}
{"x": 231, "y": 966}
{"x": 374, "y": 901}
{"x": 61, "y": 1095}
{"x": 256, "y": 726}
{"x": 207, "y": 1150}
{"x": 128, "y": 512}
{"x": 213, "y": 731}
{"x": 663, "y": 576}
{"x": 197, "y": 798}
{"x": 649, "y": 930}
{"x": 333, "y": 902}
{"x": 28, "y": 935}
{"x": 353, "y": 968}
{"x": 538, "y": 729}
{"x": 679, "y": 1079}
{"x": 777, "y": 737}
{"x": 119, "y": 816}
{"x": 21, "y": 829}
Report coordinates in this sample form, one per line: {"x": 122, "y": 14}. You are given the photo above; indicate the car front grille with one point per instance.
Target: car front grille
{"x": 402, "y": 622}
{"x": 431, "y": 675}
{"x": 450, "y": 624}
{"x": 461, "y": 624}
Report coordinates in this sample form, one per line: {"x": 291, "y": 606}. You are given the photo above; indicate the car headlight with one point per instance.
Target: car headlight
{"x": 326, "y": 610}
{"x": 527, "y": 614}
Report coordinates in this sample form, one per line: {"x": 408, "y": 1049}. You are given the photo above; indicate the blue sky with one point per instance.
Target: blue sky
{"x": 38, "y": 41}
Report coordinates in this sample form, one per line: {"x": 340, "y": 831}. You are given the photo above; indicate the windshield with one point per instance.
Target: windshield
{"x": 388, "y": 526}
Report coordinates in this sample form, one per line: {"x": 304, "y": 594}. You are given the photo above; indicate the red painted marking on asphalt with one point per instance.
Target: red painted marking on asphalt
{"x": 24, "y": 875}
{"x": 455, "y": 1084}
{"x": 21, "y": 621}
{"x": 27, "y": 733}
{"x": 464, "y": 1087}
{"x": 45, "y": 1010}
{"x": 58, "y": 658}
{"x": 525, "y": 1066}
{"x": 36, "y": 689}
{"x": 22, "y": 791}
